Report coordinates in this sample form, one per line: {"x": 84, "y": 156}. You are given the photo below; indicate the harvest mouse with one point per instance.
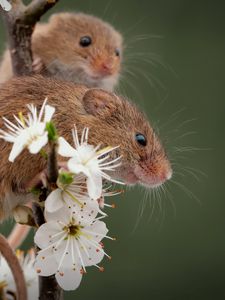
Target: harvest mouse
{"x": 74, "y": 47}
{"x": 111, "y": 120}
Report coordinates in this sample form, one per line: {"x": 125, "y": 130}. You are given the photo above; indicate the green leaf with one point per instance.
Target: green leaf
{"x": 35, "y": 191}
{"x": 52, "y": 132}
{"x": 65, "y": 178}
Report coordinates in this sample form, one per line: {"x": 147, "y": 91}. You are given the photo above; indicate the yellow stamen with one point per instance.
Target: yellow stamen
{"x": 19, "y": 253}
{"x": 20, "y": 114}
{"x": 104, "y": 149}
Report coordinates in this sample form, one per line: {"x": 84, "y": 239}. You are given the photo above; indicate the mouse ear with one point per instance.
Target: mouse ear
{"x": 99, "y": 102}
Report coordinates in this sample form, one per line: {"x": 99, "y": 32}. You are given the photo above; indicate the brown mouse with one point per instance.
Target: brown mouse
{"x": 111, "y": 119}
{"x": 74, "y": 47}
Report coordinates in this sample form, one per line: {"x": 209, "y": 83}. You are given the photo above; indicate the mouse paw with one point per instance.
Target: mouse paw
{"x": 40, "y": 180}
{"x": 38, "y": 65}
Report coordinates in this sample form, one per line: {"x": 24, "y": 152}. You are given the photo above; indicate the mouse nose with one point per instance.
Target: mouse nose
{"x": 106, "y": 68}
{"x": 166, "y": 175}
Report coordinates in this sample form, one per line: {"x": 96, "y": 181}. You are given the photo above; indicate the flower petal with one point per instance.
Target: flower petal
{"x": 54, "y": 201}
{"x": 61, "y": 216}
{"x": 17, "y": 148}
{"x": 65, "y": 254}
{"x": 65, "y": 149}
{"x": 96, "y": 233}
{"x": 94, "y": 186}
{"x": 43, "y": 236}
{"x": 38, "y": 144}
{"x": 69, "y": 279}
{"x": 84, "y": 212}
{"x": 49, "y": 111}
{"x": 98, "y": 227}
{"x": 77, "y": 168}
{"x": 45, "y": 264}
{"x": 93, "y": 254}
{"x": 5, "y": 5}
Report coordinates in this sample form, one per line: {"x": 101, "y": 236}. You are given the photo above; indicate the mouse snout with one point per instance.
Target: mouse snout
{"x": 106, "y": 68}
{"x": 165, "y": 174}
{"x": 153, "y": 173}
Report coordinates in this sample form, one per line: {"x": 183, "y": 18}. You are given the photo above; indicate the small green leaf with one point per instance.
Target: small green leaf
{"x": 65, "y": 178}
{"x": 35, "y": 191}
{"x": 52, "y": 132}
{"x": 44, "y": 154}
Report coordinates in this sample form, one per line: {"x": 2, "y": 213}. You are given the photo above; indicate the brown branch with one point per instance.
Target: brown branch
{"x": 49, "y": 289}
{"x": 52, "y": 168}
{"x": 38, "y": 8}
{"x": 38, "y": 214}
{"x": 20, "y": 22}
{"x": 48, "y": 286}
{"x": 15, "y": 267}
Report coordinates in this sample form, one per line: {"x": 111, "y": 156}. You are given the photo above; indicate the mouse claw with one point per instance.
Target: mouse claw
{"x": 38, "y": 65}
{"x": 38, "y": 181}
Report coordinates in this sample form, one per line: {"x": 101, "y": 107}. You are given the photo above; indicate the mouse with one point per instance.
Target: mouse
{"x": 112, "y": 121}
{"x": 74, "y": 47}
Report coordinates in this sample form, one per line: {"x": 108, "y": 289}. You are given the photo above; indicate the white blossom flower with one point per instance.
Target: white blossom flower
{"x": 68, "y": 246}
{"x": 5, "y": 5}
{"x": 90, "y": 161}
{"x": 75, "y": 197}
{"x": 29, "y": 132}
{"x": 107, "y": 191}
{"x": 27, "y": 263}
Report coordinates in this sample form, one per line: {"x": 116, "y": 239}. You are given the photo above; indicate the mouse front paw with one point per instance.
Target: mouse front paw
{"x": 38, "y": 65}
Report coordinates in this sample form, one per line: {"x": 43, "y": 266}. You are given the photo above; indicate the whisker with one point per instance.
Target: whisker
{"x": 186, "y": 190}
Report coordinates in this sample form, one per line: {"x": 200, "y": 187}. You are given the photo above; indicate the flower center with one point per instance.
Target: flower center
{"x": 72, "y": 229}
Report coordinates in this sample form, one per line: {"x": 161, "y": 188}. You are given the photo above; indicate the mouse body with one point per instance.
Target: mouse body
{"x": 74, "y": 47}
{"x": 111, "y": 119}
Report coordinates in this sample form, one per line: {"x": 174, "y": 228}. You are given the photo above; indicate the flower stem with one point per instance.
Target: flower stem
{"x": 52, "y": 169}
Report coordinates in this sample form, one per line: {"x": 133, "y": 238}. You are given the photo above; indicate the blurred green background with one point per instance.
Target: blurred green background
{"x": 171, "y": 246}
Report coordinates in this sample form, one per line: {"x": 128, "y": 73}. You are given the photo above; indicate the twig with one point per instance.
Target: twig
{"x": 15, "y": 267}
{"x": 48, "y": 287}
{"x": 38, "y": 214}
{"x": 20, "y": 22}
{"x": 52, "y": 169}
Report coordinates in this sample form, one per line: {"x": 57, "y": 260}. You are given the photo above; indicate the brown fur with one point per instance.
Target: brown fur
{"x": 112, "y": 121}
{"x": 56, "y": 44}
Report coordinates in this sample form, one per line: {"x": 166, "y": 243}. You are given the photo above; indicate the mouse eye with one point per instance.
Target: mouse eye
{"x": 117, "y": 52}
{"x": 85, "y": 41}
{"x": 141, "y": 139}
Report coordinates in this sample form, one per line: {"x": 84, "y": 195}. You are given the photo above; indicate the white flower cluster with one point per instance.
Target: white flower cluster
{"x": 7, "y": 282}
{"x": 71, "y": 238}
{"x": 5, "y": 5}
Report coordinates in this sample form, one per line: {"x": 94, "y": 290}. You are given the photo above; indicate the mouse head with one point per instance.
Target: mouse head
{"x": 87, "y": 48}
{"x": 144, "y": 160}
